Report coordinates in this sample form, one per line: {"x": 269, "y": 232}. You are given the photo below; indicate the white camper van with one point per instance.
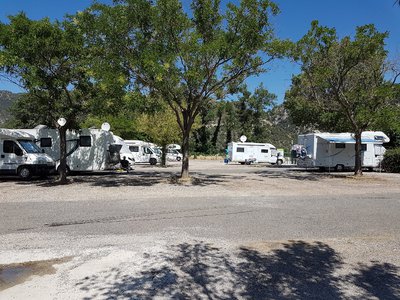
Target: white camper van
{"x": 142, "y": 152}
{"x": 19, "y": 155}
{"x": 124, "y": 151}
{"x": 247, "y": 153}
{"x": 87, "y": 149}
{"x": 336, "y": 150}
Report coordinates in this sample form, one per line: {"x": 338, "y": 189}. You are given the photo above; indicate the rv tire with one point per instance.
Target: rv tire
{"x": 178, "y": 158}
{"x": 153, "y": 161}
{"x": 279, "y": 162}
{"x": 25, "y": 173}
{"x": 339, "y": 168}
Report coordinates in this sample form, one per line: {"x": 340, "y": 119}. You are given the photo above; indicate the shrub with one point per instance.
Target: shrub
{"x": 391, "y": 161}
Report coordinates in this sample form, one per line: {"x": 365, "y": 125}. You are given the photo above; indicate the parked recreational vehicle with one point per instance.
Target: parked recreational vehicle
{"x": 87, "y": 149}
{"x": 336, "y": 150}
{"x": 19, "y": 155}
{"x": 124, "y": 151}
{"x": 247, "y": 153}
{"x": 142, "y": 152}
{"x": 173, "y": 155}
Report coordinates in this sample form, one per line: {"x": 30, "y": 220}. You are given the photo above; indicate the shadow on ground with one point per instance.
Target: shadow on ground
{"x": 134, "y": 178}
{"x": 301, "y": 174}
{"x": 297, "y": 270}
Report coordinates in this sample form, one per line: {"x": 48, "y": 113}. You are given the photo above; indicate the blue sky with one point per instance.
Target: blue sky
{"x": 292, "y": 23}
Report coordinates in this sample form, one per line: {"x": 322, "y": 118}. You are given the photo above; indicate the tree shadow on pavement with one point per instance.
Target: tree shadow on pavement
{"x": 299, "y": 174}
{"x": 134, "y": 178}
{"x": 297, "y": 270}
{"x": 378, "y": 281}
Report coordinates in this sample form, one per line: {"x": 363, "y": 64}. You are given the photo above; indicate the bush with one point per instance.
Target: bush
{"x": 391, "y": 161}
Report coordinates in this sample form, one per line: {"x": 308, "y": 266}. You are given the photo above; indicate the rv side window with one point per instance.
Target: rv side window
{"x": 8, "y": 147}
{"x": 85, "y": 141}
{"x": 363, "y": 147}
{"x": 134, "y": 148}
{"x": 240, "y": 149}
{"x": 264, "y": 150}
{"x": 45, "y": 142}
{"x": 340, "y": 145}
{"x": 147, "y": 151}
{"x": 11, "y": 147}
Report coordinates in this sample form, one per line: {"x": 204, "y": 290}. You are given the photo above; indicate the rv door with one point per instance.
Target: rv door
{"x": 11, "y": 155}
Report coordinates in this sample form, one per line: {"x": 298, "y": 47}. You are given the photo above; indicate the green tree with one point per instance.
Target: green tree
{"x": 161, "y": 128}
{"x": 187, "y": 60}
{"x": 252, "y": 111}
{"x": 342, "y": 84}
{"x": 45, "y": 58}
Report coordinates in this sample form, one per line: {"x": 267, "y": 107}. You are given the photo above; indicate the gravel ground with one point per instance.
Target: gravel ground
{"x": 234, "y": 232}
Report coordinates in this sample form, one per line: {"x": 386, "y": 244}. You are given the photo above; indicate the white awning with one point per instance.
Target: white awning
{"x": 347, "y": 140}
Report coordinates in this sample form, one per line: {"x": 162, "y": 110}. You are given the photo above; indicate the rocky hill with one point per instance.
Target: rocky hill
{"x": 6, "y": 100}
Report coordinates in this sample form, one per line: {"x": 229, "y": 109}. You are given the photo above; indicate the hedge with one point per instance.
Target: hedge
{"x": 391, "y": 161}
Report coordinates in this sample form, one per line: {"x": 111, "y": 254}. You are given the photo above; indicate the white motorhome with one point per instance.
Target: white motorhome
{"x": 19, "y": 155}
{"x": 247, "y": 153}
{"x": 124, "y": 151}
{"x": 87, "y": 149}
{"x": 336, "y": 150}
{"x": 142, "y": 152}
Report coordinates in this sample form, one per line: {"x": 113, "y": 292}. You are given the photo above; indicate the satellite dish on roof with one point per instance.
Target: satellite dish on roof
{"x": 61, "y": 122}
{"x": 105, "y": 126}
{"x": 243, "y": 138}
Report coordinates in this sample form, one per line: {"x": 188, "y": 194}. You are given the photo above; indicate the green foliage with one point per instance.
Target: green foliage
{"x": 342, "y": 85}
{"x": 391, "y": 161}
{"x": 251, "y": 110}
{"x": 46, "y": 58}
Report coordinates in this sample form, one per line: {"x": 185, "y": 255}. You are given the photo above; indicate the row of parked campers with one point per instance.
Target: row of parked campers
{"x": 316, "y": 150}
{"x": 29, "y": 152}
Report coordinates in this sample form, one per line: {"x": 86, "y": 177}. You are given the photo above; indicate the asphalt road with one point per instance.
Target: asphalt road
{"x": 209, "y": 223}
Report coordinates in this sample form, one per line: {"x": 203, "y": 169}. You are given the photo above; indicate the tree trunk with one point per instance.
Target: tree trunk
{"x": 216, "y": 132}
{"x": 62, "y": 131}
{"x": 358, "y": 161}
{"x": 163, "y": 155}
{"x": 228, "y": 136}
{"x": 185, "y": 153}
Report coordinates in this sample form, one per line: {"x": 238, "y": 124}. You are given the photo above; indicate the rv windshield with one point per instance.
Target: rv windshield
{"x": 29, "y": 146}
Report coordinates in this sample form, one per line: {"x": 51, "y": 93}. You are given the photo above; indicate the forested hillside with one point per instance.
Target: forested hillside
{"x": 6, "y": 100}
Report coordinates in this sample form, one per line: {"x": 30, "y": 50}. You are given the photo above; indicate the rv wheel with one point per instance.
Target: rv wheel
{"x": 339, "y": 168}
{"x": 279, "y": 162}
{"x": 25, "y": 173}
{"x": 153, "y": 161}
{"x": 178, "y": 158}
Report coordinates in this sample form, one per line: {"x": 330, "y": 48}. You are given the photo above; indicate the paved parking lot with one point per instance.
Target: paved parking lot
{"x": 234, "y": 232}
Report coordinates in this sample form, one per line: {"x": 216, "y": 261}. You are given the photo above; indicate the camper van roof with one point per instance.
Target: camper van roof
{"x": 254, "y": 144}
{"x": 348, "y": 138}
{"x": 15, "y": 134}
